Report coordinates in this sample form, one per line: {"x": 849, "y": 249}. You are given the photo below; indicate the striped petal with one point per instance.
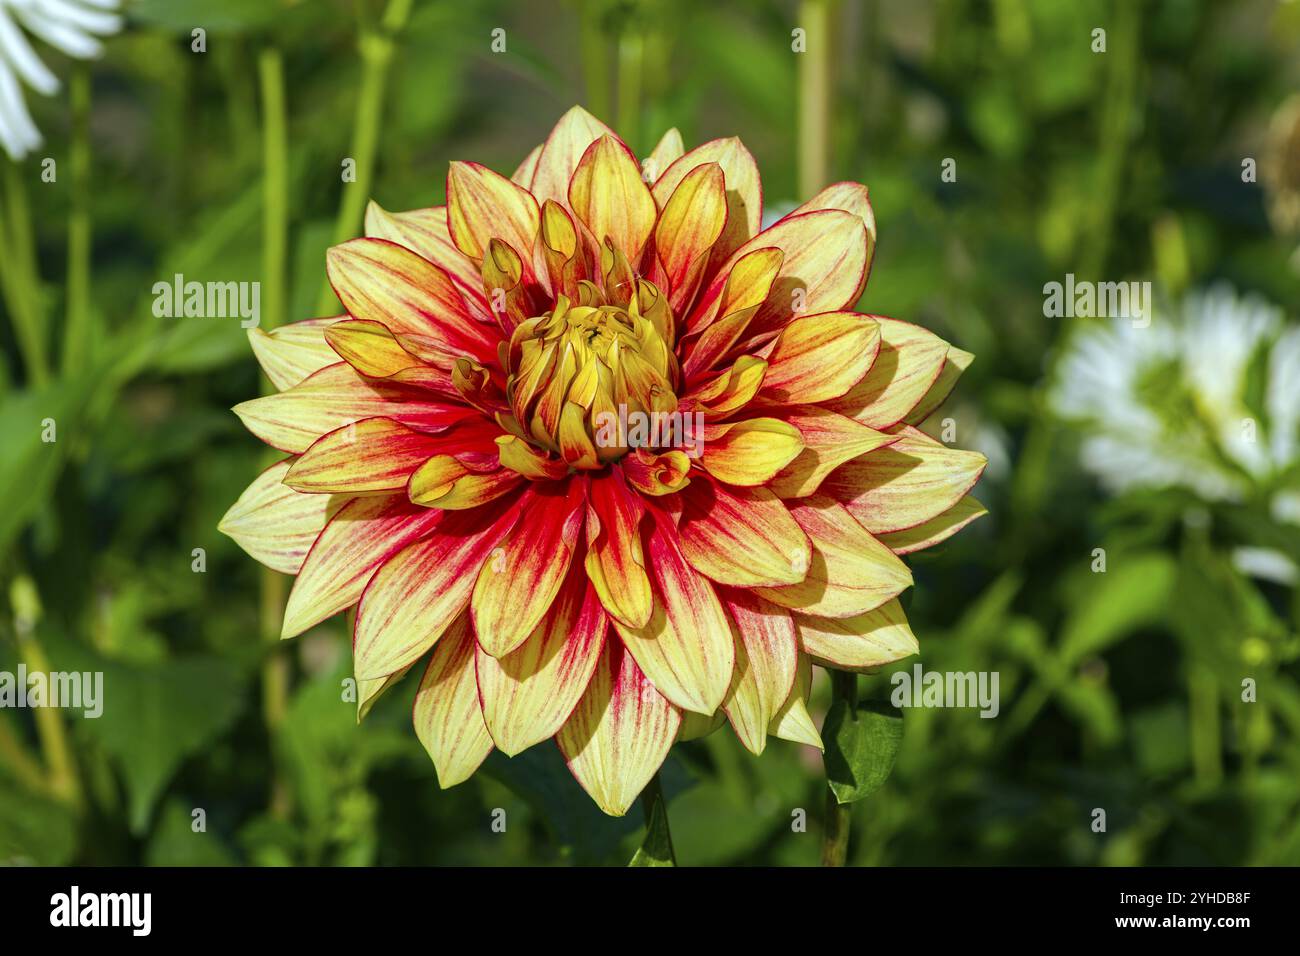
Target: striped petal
{"x": 911, "y": 482}
{"x": 369, "y": 691}
{"x": 937, "y": 529}
{"x": 829, "y": 440}
{"x": 686, "y": 647}
{"x": 425, "y": 231}
{"x": 337, "y": 396}
{"x": 667, "y": 151}
{"x": 743, "y": 537}
{"x": 515, "y": 589}
{"x": 561, "y": 153}
{"x": 767, "y": 656}
{"x": 728, "y": 392}
{"x": 608, "y": 196}
{"x": 370, "y": 348}
{"x": 850, "y": 573}
{"x": 868, "y": 640}
{"x": 364, "y": 534}
{"x": 750, "y": 452}
{"x": 825, "y": 259}
{"x": 374, "y": 454}
{"x": 483, "y": 205}
{"x": 447, "y": 716}
{"x": 528, "y": 694}
{"x": 850, "y": 197}
{"x": 387, "y": 283}
{"x": 744, "y": 189}
{"x": 955, "y": 362}
{"x": 620, "y": 732}
{"x": 793, "y": 722}
{"x": 615, "y": 559}
{"x": 417, "y": 594}
{"x": 690, "y": 224}
{"x": 820, "y": 357}
{"x": 907, "y": 366}
{"x": 275, "y": 524}
{"x": 524, "y": 172}
{"x": 292, "y": 352}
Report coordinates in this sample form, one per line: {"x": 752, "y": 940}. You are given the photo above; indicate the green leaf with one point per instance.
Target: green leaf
{"x": 861, "y": 746}
{"x": 657, "y": 847}
{"x": 1134, "y": 591}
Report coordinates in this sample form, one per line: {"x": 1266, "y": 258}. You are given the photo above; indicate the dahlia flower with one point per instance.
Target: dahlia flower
{"x": 457, "y": 466}
{"x": 68, "y": 25}
{"x": 1170, "y": 405}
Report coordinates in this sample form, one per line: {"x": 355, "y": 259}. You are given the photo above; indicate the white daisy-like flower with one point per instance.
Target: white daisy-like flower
{"x": 68, "y": 25}
{"x": 1207, "y": 397}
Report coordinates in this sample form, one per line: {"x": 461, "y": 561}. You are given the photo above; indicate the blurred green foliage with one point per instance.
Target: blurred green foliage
{"x": 1119, "y": 690}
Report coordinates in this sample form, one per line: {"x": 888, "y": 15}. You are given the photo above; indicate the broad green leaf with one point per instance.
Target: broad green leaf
{"x": 657, "y": 847}
{"x": 861, "y": 746}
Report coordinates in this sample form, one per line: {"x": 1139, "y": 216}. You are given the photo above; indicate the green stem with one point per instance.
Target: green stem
{"x": 275, "y": 241}
{"x": 653, "y": 792}
{"x": 376, "y": 47}
{"x": 76, "y": 329}
{"x": 21, "y": 279}
{"x": 595, "y": 72}
{"x": 631, "y": 58}
{"x": 814, "y": 96}
{"x": 839, "y": 816}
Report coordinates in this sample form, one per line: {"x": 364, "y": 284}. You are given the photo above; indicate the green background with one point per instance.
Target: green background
{"x": 1119, "y": 690}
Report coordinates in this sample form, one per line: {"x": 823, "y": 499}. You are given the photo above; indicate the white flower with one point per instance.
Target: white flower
{"x": 68, "y": 25}
{"x": 1207, "y": 398}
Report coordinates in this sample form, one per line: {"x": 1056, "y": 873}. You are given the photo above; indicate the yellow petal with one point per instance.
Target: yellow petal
{"x": 937, "y": 529}
{"x": 955, "y": 362}
{"x": 620, "y": 732}
{"x": 820, "y": 357}
{"x": 337, "y": 396}
{"x": 689, "y": 226}
{"x": 749, "y": 452}
{"x": 357, "y": 540}
{"x": 447, "y": 716}
{"x": 850, "y": 197}
{"x": 563, "y": 149}
{"x": 292, "y": 352}
{"x": 907, "y": 484}
{"x": 743, "y": 536}
{"x": 417, "y": 594}
{"x": 615, "y": 559}
{"x": 793, "y": 722}
{"x": 369, "y": 347}
{"x": 608, "y": 196}
{"x": 275, "y": 524}
{"x": 744, "y": 189}
{"x": 850, "y": 573}
{"x": 767, "y": 653}
{"x": 374, "y": 454}
{"x": 667, "y": 151}
{"x": 425, "y": 231}
{"x": 906, "y": 367}
{"x": 868, "y": 640}
{"x": 686, "y": 647}
{"x": 829, "y": 440}
{"x": 483, "y": 205}
{"x": 528, "y": 694}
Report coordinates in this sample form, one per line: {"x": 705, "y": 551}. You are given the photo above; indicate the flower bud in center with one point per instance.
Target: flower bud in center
{"x": 579, "y": 364}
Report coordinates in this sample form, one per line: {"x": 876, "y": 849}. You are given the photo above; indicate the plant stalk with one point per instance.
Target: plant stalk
{"x": 839, "y": 816}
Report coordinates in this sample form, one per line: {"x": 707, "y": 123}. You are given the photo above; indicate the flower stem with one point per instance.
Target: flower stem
{"x": 654, "y": 792}
{"x": 631, "y": 56}
{"x": 76, "y": 329}
{"x": 839, "y": 816}
{"x": 20, "y": 278}
{"x": 376, "y": 47}
{"x": 814, "y": 96}
{"x": 275, "y": 240}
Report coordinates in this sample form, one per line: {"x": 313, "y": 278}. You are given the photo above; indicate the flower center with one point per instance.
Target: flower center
{"x": 585, "y": 364}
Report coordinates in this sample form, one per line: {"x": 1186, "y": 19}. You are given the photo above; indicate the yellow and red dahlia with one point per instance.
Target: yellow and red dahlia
{"x": 615, "y": 462}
